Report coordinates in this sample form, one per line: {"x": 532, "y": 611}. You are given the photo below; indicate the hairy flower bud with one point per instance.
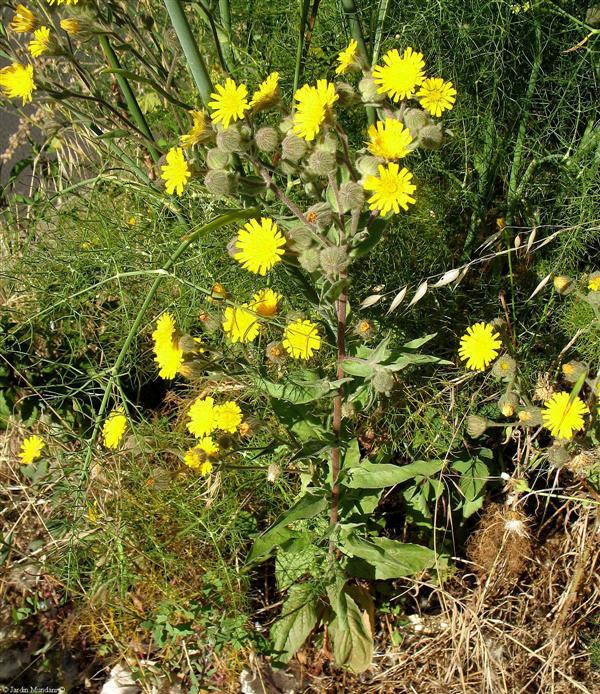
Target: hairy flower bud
{"x": 415, "y": 119}
{"x": 352, "y": 196}
{"x": 288, "y": 168}
{"x": 558, "y": 455}
{"x": 368, "y": 91}
{"x": 275, "y": 353}
{"x": 322, "y": 163}
{"x": 348, "y": 410}
{"x": 572, "y": 370}
{"x": 476, "y": 426}
{"x": 382, "y": 381}
{"x": 508, "y": 404}
{"x": 209, "y": 321}
{"x": 267, "y": 139}
{"x": 504, "y": 367}
{"x": 273, "y": 472}
{"x": 530, "y": 416}
{"x": 300, "y": 237}
{"x": 286, "y": 124}
{"x": 368, "y": 166}
{"x": 309, "y": 259}
{"x": 321, "y": 215}
{"x": 313, "y": 189}
{"x": 334, "y": 260}
{"x": 364, "y": 329}
{"x": 347, "y": 95}
{"x": 216, "y": 159}
{"x": 430, "y": 137}
{"x": 563, "y": 284}
{"x": 293, "y": 147}
{"x": 231, "y": 140}
{"x": 220, "y": 183}
{"x": 252, "y": 185}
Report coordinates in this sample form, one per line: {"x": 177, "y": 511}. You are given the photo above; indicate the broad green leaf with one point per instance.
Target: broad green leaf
{"x": 474, "y": 474}
{"x": 404, "y": 360}
{"x": 351, "y": 635}
{"x": 298, "y": 618}
{"x": 354, "y": 367}
{"x": 351, "y": 454}
{"x": 375, "y": 476}
{"x": 300, "y": 392}
{"x": 297, "y": 558}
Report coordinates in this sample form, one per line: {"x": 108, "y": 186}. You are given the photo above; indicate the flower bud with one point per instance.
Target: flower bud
{"x": 508, "y": 404}
{"x": 563, "y": 284}
{"x": 352, "y": 196}
{"x": 347, "y": 95}
{"x": 348, "y": 410}
{"x": 593, "y": 298}
{"x": 313, "y": 189}
{"x": 273, "y": 472}
{"x": 504, "y": 367}
{"x": 218, "y": 293}
{"x": 220, "y": 183}
{"x": 558, "y": 455}
{"x": 287, "y": 167}
{"x": 368, "y": 91}
{"x": 321, "y": 215}
{"x": 415, "y": 119}
{"x": 231, "y": 140}
{"x": 210, "y": 323}
{"x": 368, "y": 166}
{"x": 187, "y": 344}
{"x": 430, "y": 137}
{"x": 300, "y": 237}
{"x": 382, "y": 381}
{"x": 225, "y": 440}
{"x": 530, "y": 416}
{"x": 267, "y": 139}
{"x": 275, "y": 353}
{"x": 252, "y": 185}
{"x": 572, "y": 370}
{"x": 334, "y": 261}
{"x": 216, "y": 159}
{"x": 286, "y": 124}
{"x": 293, "y": 148}
{"x": 322, "y": 163}
{"x": 309, "y": 259}
{"x": 476, "y": 426}
{"x": 364, "y": 329}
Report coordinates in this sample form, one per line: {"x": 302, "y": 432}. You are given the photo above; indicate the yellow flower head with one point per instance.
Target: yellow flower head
{"x": 436, "y": 96}
{"x": 400, "y": 75}
{"x": 114, "y": 427}
{"x": 62, "y": 2}
{"x": 202, "y": 417}
{"x": 176, "y": 171}
{"x": 594, "y": 282}
{"x": 23, "y": 21}
{"x": 198, "y": 457}
{"x": 479, "y": 346}
{"x": 389, "y": 139}
{"x": 301, "y": 338}
{"x": 40, "y": 42}
{"x": 71, "y": 26}
{"x": 199, "y": 131}
{"x": 266, "y": 302}
{"x": 31, "y": 449}
{"x": 347, "y": 58}
{"x": 228, "y": 416}
{"x": 259, "y": 245}
{"x": 563, "y": 416}
{"x": 313, "y": 108}
{"x": 168, "y": 354}
{"x": 240, "y": 324}
{"x": 392, "y": 189}
{"x": 230, "y": 103}
{"x": 16, "y": 81}
{"x": 267, "y": 94}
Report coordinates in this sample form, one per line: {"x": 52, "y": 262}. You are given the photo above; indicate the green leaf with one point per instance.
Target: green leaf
{"x": 300, "y": 392}
{"x": 351, "y": 454}
{"x": 351, "y": 634}
{"x": 386, "y": 558}
{"x": 404, "y": 360}
{"x": 474, "y": 477}
{"x": 298, "y": 618}
{"x": 354, "y": 367}
{"x": 375, "y": 476}
{"x": 296, "y": 558}
{"x": 308, "y": 506}
{"x": 419, "y": 342}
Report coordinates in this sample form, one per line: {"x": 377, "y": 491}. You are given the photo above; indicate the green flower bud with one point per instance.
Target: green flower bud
{"x": 430, "y": 137}
{"x": 368, "y": 166}
{"x": 508, "y": 404}
{"x": 300, "y": 237}
{"x": 216, "y": 159}
{"x": 593, "y": 298}
{"x": 415, "y": 119}
{"x": 348, "y": 410}
{"x": 592, "y": 16}
{"x": 287, "y": 167}
{"x": 286, "y": 124}
{"x": 220, "y": 183}
{"x": 352, "y": 196}
{"x": 293, "y": 147}
{"x": 476, "y": 426}
{"x": 504, "y": 367}
{"x": 309, "y": 259}
{"x": 382, "y": 381}
{"x": 231, "y": 140}
{"x": 187, "y": 344}
{"x": 558, "y": 455}
{"x": 563, "y": 284}
{"x": 210, "y": 322}
{"x": 368, "y": 91}
{"x": 530, "y": 416}
{"x": 273, "y": 473}
{"x": 572, "y": 370}
{"x": 313, "y": 189}
{"x": 329, "y": 143}
{"x": 321, "y": 215}
{"x": 322, "y": 163}
{"x": 334, "y": 260}
{"x": 252, "y": 185}
{"x": 347, "y": 95}
{"x": 267, "y": 139}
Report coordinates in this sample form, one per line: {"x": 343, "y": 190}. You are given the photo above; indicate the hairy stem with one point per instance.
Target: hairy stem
{"x": 341, "y": 309}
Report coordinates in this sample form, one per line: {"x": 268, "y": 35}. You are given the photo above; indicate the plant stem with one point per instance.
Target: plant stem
{"x": 132, "y": 105}
{"x": 225, "y": 12}
{"x": 300, "y": 44}
{"x": 195, "y": 61}
{"x": 341, "y": 309}
{"x": 351, "y": 12}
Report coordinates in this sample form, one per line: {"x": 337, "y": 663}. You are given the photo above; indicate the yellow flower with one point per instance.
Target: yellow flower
{"x": 228, "y": 416}
{"x": 259, "y": 245}
{"x": 230, "y": 103}
{"x": 267, "y": 93}
{"x": 347, "y": 58}
{"x": 389, "y": 139}
{"x": 23, "y": 21}
{"x": 199, "y": 131}
{"x": 594, "y": 282}
{"x": 114, "y": 428}
{"x": 202, "y": 417}
{"x": 71, "y": 26}
{"x": 392, "y": 189}
{"x": 40, "y": 42}
{"x": 266, "y": 302}
{"x": 132, "y": 221}
{"x": 301, "y": 338}
{"x": 563, "y": 416}
{"x": 240, "y": 324}
{"x": 314, "y": 106}
{"x": 168, "y": 354}
{"x": 62, "y": 2}
{"x": 479, "y": 346}
{"x": 176, "y": 172}
{"x": 400, "y": 75}
{"x": 198, "y": 456}
{"x": 436, "y": 96}
{"x": 16, "y": 81}
{"x": 31, "y": 449}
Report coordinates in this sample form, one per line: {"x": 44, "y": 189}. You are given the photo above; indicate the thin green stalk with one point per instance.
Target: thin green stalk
{"x": 381, "y": 15}
{"x": 132, "y": 105}
{"x": 351, "y": 12}
{"x": 225, "y": 13}
{"x": 305, "y": 4}
{"x": 216, "y": 223}
{"x": 196, "y": 64}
